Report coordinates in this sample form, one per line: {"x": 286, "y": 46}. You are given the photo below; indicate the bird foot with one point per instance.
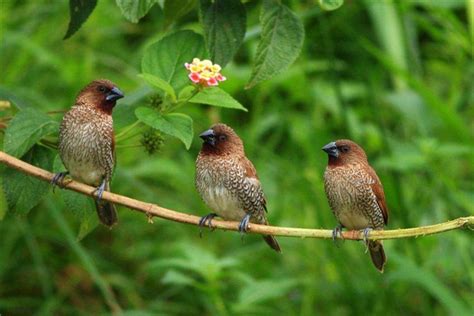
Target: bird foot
{"x": 365, "y": 238}
{"x": 208, "y": 218}
{"x": 58, "y": 180}
{"x": 100, "y": 191}
{"x": 244, "y": 225}
{"x": 337, "y": 234}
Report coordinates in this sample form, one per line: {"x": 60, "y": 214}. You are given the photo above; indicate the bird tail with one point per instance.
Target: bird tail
{"x": 377, "y": 254}
{"x": 106, "y": 212}
{"x": 272, "y": 242}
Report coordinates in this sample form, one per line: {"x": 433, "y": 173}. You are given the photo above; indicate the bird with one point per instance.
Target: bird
{"x": 87, "y": 143}
{"x": 355, "y": 194}
{"x": 228, "y": 183}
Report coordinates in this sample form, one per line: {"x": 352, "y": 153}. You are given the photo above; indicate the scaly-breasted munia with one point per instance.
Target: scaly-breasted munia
{"x": 355, "y": 194}
{"x": 228, "y": 183}
{"x": 86, "y": 142}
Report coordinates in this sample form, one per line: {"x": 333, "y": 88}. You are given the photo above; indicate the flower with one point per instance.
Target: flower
{"x": 204, "y": 72}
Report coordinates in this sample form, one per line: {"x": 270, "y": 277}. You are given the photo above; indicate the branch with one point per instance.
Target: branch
{"x": 158, "y": 211}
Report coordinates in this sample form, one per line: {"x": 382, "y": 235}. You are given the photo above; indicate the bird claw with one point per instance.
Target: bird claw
{"x": 244, "y": 224}
{"x": 365, "y": 237}
{"x": 337, "y": 232}
{"x": 100, "y": 191}
{"x": 208, "y": 218}
{"x": 58, "y": 179}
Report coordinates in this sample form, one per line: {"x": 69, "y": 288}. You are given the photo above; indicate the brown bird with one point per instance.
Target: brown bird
{"x": 355, "y": 194}
{"x": 87, "y": 145}
{"x": 228, "y": 183}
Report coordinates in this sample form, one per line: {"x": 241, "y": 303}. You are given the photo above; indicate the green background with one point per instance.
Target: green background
{"x": 397, "y": 78}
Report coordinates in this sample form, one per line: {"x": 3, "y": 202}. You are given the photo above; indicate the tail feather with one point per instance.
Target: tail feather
{"x": 272, "y": 242}
{"x": 107, "y": 213}
{"x": 377, "y": 254}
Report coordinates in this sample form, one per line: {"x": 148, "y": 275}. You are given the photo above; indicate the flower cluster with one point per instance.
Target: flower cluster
{"x": 204, "y": 72}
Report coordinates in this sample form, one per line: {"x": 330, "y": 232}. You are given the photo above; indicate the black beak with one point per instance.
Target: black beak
{"x": 331, "y": 149}
{"x": 114, "y": 94}
{"x": 209, "y": 137}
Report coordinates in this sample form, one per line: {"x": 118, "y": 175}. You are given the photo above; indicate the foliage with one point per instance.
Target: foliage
{"x": 396, "y": 77}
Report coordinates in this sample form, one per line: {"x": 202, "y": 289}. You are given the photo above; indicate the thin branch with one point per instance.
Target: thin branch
{"x": 154, "y": 210}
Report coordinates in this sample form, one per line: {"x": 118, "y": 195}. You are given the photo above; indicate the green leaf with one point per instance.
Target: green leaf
{"x": 79, "y": 11}
{"x": 166, "y": 58}
{"x": 280, "y": 43}
{"x": 174, "y": 124}
{"x": 173, "y": 10}
{"x": 217, "y": 97}
{"x": 134, "y": 10}
{"x": 3, "y": 201}
{"x": 330, "y": 5}
{"x": 160, "y": 84}
{"x": 224, "y": 24}
{"x": 25, "y": 129}
{"x": 24, "y": 192}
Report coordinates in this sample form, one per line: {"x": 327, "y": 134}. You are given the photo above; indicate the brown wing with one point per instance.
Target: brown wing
{"x": 251, "y": 173}
{"x": 377, "y": 188}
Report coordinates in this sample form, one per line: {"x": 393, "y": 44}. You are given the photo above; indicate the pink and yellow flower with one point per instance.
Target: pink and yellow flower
{"x": 204, "y": 72}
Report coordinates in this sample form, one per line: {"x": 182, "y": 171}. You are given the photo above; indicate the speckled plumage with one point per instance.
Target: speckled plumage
{"x": 86, "y": 141}
{"x": 228, "y": 183}
{"x": 355, "y": 193}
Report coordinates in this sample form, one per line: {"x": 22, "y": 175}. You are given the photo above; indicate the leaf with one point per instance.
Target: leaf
{"x": 134, "y": 10}
{"x": 3, "y": 200}
{"x": 259, "y": 291}
{"x": 79, "y": 11}
{"x": 177, "y": 278}
{"x": 173, "y": 10}
{"x": 160, "y": 84}
{"x": 280, "y": 43}
{"x": 174, "y": 124}
{"x": 224, "y": 23}
{"x": 24, "y": 192}
{"x": 25, "y": 129}
{"x": 330, "y": 5}
{"x": 217, "y": 97}
{"x": 166, "y": 58}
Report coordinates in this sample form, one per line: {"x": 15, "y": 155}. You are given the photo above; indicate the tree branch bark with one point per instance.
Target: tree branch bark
{"x": 154, "y": 210}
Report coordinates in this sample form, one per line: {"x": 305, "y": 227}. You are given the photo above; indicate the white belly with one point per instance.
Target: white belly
{"x": 221, "y": 201}
{"x": 85, "y": 172}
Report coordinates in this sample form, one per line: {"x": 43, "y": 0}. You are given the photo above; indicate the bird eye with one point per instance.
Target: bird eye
{"x": 344, "y": 149}
{"x": 222, "y": 138}
{"x": 102, "y": 88}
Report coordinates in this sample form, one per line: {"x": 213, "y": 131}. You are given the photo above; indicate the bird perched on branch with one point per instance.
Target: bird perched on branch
{"x": 228, "y": 183}
{"x": 355, "y": 194}
{"x": 86, "y": 142}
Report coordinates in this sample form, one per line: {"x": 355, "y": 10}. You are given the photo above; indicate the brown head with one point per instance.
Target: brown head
{"x": 101, "y": 94}
{"x": 343, "y": 152}
{"x": 220, "y": 139}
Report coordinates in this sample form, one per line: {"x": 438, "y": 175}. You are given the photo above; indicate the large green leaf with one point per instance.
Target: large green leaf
{"x": 174, "y": 124}
{"x": 134, "y": 10}
{"x": 280, "y": 43}
{"x": 173, "y": 10}
{"x": 330, "y": 5}
{"x": 79, "y": 11}
{"x": 25, "y": 129}
{"x": 166, "y": 58}
{"x": 217, "y": 97}
{"x": 160, "y": 84}
{"x": 224, "y": 24}
{"x": 23, "y": 191}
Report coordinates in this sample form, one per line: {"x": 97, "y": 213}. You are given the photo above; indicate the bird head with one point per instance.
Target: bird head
{"x": 343, "y": 152}
{"x": 101, "y": 94}
{"x": 221, "y": 139}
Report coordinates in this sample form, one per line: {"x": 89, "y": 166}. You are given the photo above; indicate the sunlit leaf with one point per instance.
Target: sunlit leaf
{"x": 25, "y": 129}
{"x": 330, "y": 5}
{"x": 217, "y": 97}
{"x": 165, "y": 58}
{"x": 174, "y": 124}
{"x": 79, "y": 11}
{"x": 280, "y": 43}
{"x": 160, "y": 84}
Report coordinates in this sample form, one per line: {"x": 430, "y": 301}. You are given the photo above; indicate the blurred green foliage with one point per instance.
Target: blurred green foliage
{"x": 396, "y": 77}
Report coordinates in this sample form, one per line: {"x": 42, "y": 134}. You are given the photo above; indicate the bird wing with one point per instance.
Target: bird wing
{"x": 377, "y": 188}
{"x": 252, "y": 184}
